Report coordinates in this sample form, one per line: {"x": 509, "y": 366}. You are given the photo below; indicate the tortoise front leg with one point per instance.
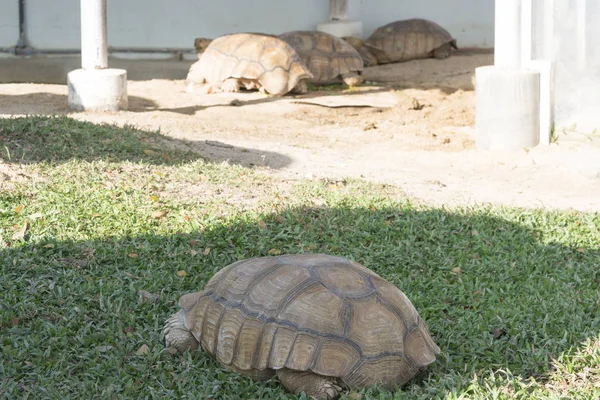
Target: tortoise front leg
{"x": 318, "y": 387}
{"x": 300, "y": 87}
{"x": 230, "y": 85}
{"x": 442, "y": 52}
{"x": 177, "y": 335}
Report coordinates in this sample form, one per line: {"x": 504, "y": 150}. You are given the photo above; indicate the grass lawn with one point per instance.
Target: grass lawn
{"x": 119, "y": 224}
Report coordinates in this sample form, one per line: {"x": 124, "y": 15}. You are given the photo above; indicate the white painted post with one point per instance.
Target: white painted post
{"x": 526, "y": 30}
{"x": 338, "y": 23}
{"x": 548, "y": 11}
{"x": 94, "y": 49}
{"x": 507, "y": 33}
{"x": 543, "y": 64}
{"x": 95, "y": 86}
{"x": 581, "y": 34}
{"x": 338, "y": 10}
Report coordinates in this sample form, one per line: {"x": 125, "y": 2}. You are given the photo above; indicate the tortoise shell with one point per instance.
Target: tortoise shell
{"x": 329, "y": 58}
{"x": 310, "y": 312}
{"x": 253, "y": 60}
{"x": 410, "y": 39}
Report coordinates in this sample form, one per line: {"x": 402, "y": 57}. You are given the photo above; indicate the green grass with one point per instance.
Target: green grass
{"x": 511, "y": 296}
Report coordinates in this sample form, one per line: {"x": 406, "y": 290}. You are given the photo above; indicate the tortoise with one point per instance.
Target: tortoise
{"x": 318, "y": 322}
{"x": 329, "y": 58}
{"x": 405, "y": 40}
{"x": 249, "y": 60}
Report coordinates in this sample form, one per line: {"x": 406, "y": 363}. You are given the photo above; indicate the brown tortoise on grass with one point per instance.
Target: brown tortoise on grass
{"x": 329, "y": 58}
{"x": 318, "y": 322}
{"x": 249, "y": 60}
{"x": 405, "y": 40}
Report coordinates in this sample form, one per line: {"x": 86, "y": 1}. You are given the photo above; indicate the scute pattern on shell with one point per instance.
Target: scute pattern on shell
{"x": 256, "y": 59}
{"x": 312, "y": 312}
{"x": 325, "y": 55}
{"x": 409, "y": 39}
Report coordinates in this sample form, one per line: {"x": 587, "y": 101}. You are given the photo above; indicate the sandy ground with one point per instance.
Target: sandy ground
{"x": 412, "y": 126}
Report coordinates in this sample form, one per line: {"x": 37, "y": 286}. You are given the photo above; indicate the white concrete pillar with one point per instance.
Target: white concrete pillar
{"x": 95, "y": 86}
{"x": 339, "y": 25}
{"x": 508, "y": 93}
{"x": 507, "y": 115}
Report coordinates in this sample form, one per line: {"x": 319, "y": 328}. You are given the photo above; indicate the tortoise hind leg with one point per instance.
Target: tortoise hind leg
{"x": 316, "y": 386}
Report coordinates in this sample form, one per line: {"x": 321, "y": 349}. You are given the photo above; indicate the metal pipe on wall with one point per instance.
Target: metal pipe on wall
{"x": 21, "y": 47}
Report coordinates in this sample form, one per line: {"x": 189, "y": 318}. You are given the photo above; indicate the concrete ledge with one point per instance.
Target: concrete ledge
{"x": 342, "y": 28}
{"x": 507, "y": 108}
{"x": 54, "y": 69}
{"x": 98, "y": 90}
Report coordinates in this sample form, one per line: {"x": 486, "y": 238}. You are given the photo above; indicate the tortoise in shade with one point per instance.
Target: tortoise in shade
{"x": 247, "y": 60}
{"x": 329, "y": 58}
{"x": 320, "y": 323}
{"x": 405, "y": 40}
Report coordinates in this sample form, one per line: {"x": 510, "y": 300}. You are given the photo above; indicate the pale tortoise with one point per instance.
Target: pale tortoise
{"x": 248, "y": 60}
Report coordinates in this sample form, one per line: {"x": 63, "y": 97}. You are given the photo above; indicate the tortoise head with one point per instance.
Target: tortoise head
{"x": 200, "y": 44}
{"x": 365, "y": 51}
{"x": 177, "y": 335}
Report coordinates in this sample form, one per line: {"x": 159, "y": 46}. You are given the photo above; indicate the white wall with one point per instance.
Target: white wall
{"x": 157, "y": 23}
{"x": 9, "y": 23}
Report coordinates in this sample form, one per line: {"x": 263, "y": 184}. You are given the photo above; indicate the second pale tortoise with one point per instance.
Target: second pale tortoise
{"x": 319, "y": 322}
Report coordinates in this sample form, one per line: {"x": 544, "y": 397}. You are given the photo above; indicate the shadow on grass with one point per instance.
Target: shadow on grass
{"x": 43, "y": 103}
{"x": 496, "y": 295}
{"x": 60, "y": 139}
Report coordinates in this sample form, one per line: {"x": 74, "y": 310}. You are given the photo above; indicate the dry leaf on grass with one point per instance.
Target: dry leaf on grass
{"x": 144, "y": 349}
{"x": 147, "y": 296}
{"x": 159, "y": 214}
{"x": 497, "y": 333}
{"x": 150, "y": 152}
{"x": 181, "y": 273}
{"x": 20, "y": 234}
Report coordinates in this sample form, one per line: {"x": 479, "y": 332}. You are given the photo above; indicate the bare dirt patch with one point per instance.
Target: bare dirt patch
{"x": 412, "y": 126}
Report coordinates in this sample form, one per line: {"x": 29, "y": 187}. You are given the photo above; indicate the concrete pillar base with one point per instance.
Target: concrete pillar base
{"x": 342, "y": 28}
{"x": 507, "y": 108}
{"x": 98, "y": 90}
